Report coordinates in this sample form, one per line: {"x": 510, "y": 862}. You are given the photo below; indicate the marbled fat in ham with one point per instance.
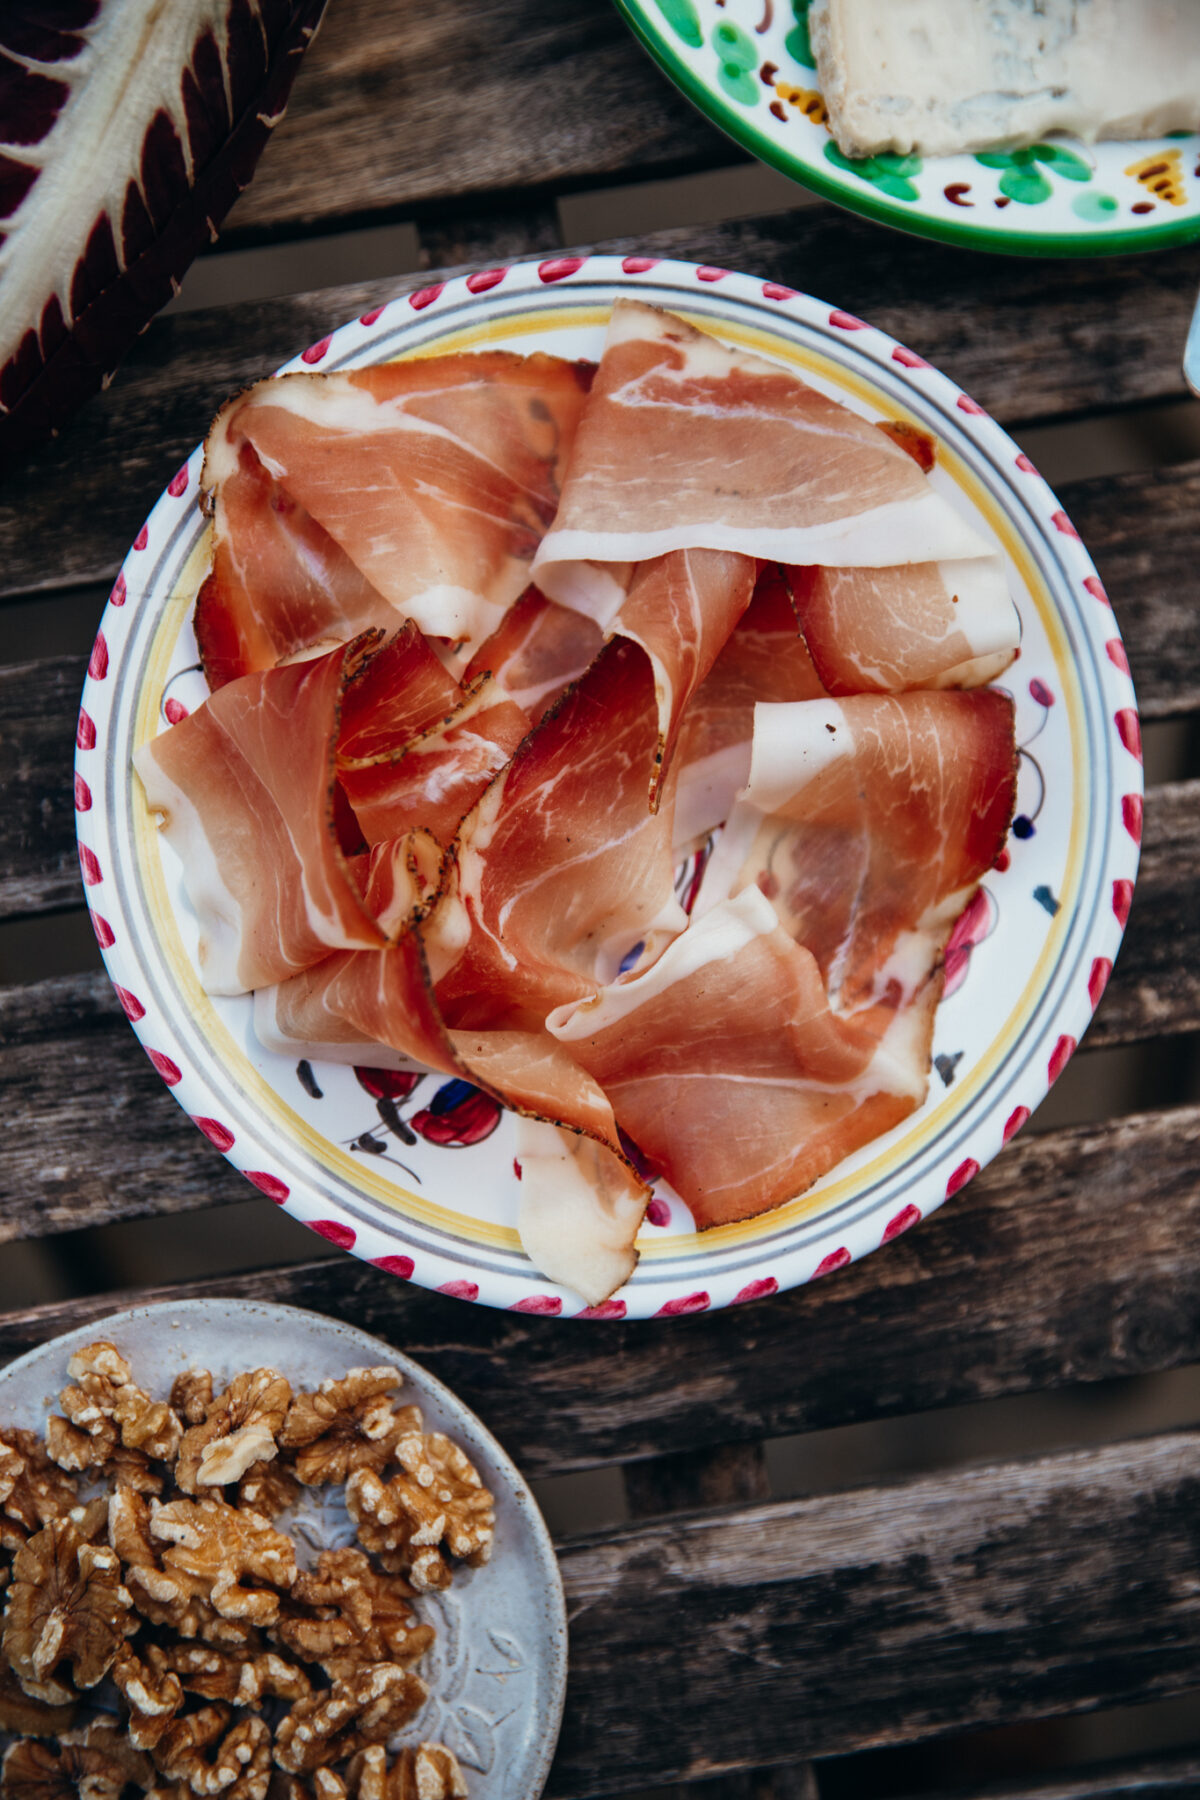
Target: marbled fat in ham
{"x": 680, "y": 609}
{"x": 437, "y": 477}
{"x": 922, "y": 625}
{"x": 279, "y": 584}
{"x": 432, "y": 780}
{"x": 246, "y": 786}
{"x": 868, "y": 823}
{"x": 563, "y": 868}
{"x": 726, "y": 1066}
{"x": 416, "y": 749}
{"x": 764, "y": 658}
{"x": 687, "y": 444}
{"x": 537, "y": 651}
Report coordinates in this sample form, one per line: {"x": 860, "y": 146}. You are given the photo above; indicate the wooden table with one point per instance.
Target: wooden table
{"x": 740, "y": 1633}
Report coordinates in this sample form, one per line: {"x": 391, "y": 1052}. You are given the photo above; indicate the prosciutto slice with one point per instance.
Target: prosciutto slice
{"x": 437, "y": 477}
{"x": 245, "y": 785}
{"x": 680, "y": 609}
{"x": 765, "y": 658}
{"x": 688, "y": 444}
{"x": 433, "y": 780}
{"x": 279, "y": 584}
{"x": 868, "y": 822}
{"x": 537, "y": 651}
{"x": 563, "y": 870}
{"x": 924, "y": 625}
{"x": 581, "y": 1200}
{"x": 416, "y": 749}
{"x": 726, "y": 1066}
{"x": 292, "y": 1017}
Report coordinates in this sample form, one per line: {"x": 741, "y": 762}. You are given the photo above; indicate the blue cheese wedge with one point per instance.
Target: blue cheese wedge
{"x": 939, "y": 76}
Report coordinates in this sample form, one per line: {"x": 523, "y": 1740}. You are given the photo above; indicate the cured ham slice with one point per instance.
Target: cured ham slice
{"x": 924, "y": 625}
{"x": 432, "y": 781}
{"x": 726, "y": 1066}
{"x": 563, "y": 870}
{"x": 681, "y": 608}
{"x": 688, "y": 444}
{"x": 765, "y": 658}
{"x": 279, "y": 584}
{"x": 437, "y": 477}
{"x": 402, "y": 691}
{"x": 537, "y": 651}
{"x": 399, "y": 880}
{"x": 246, "y": 788}
{"x": 415, "y": 749}
{"x": 868, "y": 822}
{"x": 581, "y": 1201}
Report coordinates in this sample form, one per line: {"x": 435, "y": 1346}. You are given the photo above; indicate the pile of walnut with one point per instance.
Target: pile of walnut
{"x": 173, "y": 1598}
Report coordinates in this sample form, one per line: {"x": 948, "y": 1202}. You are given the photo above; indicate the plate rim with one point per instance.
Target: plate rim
{"x": 964, "y": 235}
{"x": 417, "y": 1376}
{"x": 860, "y": 1234}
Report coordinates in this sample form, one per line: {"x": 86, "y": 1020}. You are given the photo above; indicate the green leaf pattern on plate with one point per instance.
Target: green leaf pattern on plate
{"x": 684, "y": 20}
{"x": 1022, "y": 179}
{"x": 749, "y": 65}
{"x": 887, "y": 172}
{"x": 797, "y": 43}
{"x": 738, "y": 59}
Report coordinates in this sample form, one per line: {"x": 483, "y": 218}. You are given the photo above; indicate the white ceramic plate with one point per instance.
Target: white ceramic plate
{"x": 497, "y": 1670}
{"x": 423, "y": 1183}
{"x": 748, "y": 65}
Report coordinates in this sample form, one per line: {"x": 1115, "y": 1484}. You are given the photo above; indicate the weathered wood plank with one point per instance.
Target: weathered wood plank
{"x": 820, "y": 1626}
{"x": 1143, "y": 532}
{"x": 1166, "y": 1777}
{"x": 397, "y": 106}
{"x": 1073, "y": 1258}
{"x": 1031, "y": 340}
{"x": 796, "y": 1783}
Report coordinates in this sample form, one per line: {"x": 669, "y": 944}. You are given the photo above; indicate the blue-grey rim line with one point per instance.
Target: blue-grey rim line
{"x": 414, "y": 330}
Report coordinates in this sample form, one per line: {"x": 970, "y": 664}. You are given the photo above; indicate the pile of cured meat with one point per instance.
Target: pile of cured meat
{"x": 494, "y": 644}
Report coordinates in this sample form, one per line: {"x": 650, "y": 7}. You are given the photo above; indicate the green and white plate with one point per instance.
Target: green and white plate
{"x": 748, "y": 65}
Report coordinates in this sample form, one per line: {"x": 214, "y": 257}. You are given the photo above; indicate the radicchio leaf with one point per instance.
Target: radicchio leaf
{"x": 127, "y": 130}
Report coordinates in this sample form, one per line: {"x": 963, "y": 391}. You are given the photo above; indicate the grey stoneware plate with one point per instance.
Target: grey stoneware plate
{"x": 497, "y": 1671}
